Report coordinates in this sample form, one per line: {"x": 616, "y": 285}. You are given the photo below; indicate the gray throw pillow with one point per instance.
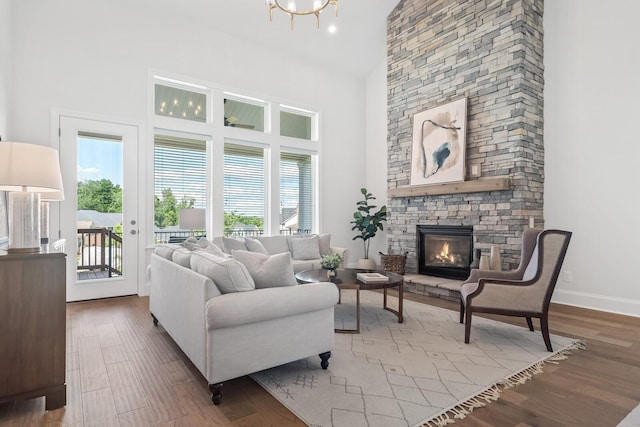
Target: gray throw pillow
{"x": 228, "y": 274}
{"x": 268, "y": 271}
{"x": 215, "y": 250}
{"x": 190, "y": 243}
{"x": 306, "y": 248}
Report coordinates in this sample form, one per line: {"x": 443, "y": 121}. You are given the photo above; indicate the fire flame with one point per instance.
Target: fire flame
{"x": 444, "y": 254}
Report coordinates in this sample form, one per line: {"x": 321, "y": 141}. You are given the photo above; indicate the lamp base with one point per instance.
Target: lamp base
{"x": 24, "y": 222}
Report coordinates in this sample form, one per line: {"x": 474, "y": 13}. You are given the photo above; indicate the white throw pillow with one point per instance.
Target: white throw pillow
{"x": 232, "y": 244}
{"x": 165, "y": 250}
{"x": 324, "y": 244}
{"x": 268, "y": 271}
{"x": 203, "y": 243}
{"x": 190, "y": 243}
{"x": 274, "y": 244}
{"x": 306, "y": 248}
{"x": 254, "y": 245}
{"x": 228, "y": 274}
{"x": 215, "y": 250}
{"x": 182, "y": 256}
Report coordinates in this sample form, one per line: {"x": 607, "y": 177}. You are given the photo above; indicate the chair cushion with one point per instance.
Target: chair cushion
{"x": 268, "y": 271}
{"x": 228, "y": 274}
{"x": 532, "y": 267}
{"x": 306, "y": 248}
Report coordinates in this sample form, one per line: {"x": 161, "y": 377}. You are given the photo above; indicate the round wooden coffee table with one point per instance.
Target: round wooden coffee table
{"x": 346, "y": 280}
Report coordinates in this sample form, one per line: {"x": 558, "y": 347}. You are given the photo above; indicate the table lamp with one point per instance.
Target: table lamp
{"x": 45, "y": 199}
{"x": 192, "y": 219}
{"x": 26, "y": 171}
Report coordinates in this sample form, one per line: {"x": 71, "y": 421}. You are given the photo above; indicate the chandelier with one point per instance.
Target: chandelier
{"x": 318, "y": 7}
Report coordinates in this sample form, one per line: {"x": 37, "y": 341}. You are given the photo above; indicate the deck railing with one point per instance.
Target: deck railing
{"x": 100, "y": 249}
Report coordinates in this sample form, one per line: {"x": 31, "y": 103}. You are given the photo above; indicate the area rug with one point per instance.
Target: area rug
{"x": 416, "y": 373}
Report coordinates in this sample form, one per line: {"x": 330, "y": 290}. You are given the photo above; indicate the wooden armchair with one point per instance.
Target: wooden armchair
{"x": 524, "y": 292}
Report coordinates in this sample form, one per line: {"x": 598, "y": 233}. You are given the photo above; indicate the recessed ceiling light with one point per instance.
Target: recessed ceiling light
{"x": 332, "y": 29}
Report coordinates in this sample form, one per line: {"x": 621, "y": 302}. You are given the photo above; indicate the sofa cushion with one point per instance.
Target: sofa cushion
{"x": 190, "y": 243}
{"x": 268, "y": 271}
{"x": 324, "y": 244}
{"x": 182, "y": 256}
{"x": 165, "y": 250}
{"x": 254, "y": 245}
{"x": 233, "y": 244}
{"x": 215, "y": 250}
{"x": 228, "y": 274}
{"x": 306, "y": 248}
{"x": 274, "y": 244}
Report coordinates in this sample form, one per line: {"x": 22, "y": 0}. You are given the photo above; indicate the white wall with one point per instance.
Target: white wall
{"x": 95, "y": 57}
{"x": 592, "y": 105}
{"x": 5, "y": 68}
{"x": 376, "y": 181}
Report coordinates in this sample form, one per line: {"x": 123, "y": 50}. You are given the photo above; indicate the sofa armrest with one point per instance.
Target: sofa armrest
{"x": 341, "y": 251}
{"x": 241, "y": 308}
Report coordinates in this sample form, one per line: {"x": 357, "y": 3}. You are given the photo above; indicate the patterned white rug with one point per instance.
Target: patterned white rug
{"x": 408, "y": 374}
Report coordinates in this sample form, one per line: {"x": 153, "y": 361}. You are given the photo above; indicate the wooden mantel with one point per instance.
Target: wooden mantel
{"x": 488, "y": 184}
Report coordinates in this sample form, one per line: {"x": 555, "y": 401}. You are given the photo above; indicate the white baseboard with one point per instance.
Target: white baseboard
{"x": 597, "y": 302}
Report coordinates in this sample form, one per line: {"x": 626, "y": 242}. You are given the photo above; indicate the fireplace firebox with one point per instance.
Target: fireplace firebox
{"x": 444, "y": 251}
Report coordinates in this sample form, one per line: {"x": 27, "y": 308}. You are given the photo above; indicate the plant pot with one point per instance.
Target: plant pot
{"x": 366, "y": 264}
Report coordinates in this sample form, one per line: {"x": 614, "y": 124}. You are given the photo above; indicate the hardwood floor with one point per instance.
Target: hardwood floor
{"x": 123, "y": 371}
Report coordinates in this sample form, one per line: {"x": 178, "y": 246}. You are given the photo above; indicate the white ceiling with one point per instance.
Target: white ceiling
{"x": 357, "y": 46}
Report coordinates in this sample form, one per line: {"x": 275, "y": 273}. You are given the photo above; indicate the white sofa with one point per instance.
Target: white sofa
{"x": 228, "y": 335}
{"x": 306, "y": 250}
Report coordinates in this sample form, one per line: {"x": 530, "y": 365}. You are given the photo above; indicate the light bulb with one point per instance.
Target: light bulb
{"x": 292, "y": 6}
{"x": 316, "y": 4}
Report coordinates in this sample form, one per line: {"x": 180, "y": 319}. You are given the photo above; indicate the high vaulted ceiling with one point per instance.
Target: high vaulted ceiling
{"x": 356, "y": 47}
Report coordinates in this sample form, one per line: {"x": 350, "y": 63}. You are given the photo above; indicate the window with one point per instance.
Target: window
{"x": 296, "y": 123}
{"x": 244, "y": 190}
{"x": 245, "y": 113}
{"x": 180, "y": 181}
{"x": 180, "y": 103}
{"x": 296, "y": 193}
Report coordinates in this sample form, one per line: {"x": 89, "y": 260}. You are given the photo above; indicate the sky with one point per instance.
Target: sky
{"x": 99, "y": 159}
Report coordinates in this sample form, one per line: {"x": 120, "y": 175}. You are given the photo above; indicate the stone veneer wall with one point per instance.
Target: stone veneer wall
{"x": 492, "y": 53}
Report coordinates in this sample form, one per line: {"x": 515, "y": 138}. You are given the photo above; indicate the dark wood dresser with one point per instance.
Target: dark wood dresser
{"x": 33, "y": 327}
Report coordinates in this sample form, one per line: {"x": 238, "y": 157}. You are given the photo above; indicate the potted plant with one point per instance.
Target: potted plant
{"x": 331, "y": 261}
{"x": 367, "y": 222}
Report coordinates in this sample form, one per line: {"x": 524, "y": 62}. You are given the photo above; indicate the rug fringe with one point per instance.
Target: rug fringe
{"x": 462, "y": 409}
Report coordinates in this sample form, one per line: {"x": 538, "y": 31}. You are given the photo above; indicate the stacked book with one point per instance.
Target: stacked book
{"x": 372, "y": 278}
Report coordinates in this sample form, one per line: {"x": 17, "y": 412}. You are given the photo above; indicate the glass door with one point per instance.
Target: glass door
{"x": 99, "y": 214}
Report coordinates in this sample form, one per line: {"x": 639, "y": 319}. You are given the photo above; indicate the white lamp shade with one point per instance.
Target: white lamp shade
{"x": 29, "y": 167}
{"x": 192, "y": 219}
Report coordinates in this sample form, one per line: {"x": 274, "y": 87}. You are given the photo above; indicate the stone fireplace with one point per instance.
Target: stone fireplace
{"x": 444, "y": 251}
{"x": 491, "y": 53}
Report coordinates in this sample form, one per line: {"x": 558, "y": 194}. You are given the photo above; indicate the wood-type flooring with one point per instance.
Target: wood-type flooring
{"x": 123, "y": 371}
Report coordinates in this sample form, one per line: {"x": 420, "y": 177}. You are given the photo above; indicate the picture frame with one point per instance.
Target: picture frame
{"x": 439, "y": 144}
{"x": 4, "y": 220}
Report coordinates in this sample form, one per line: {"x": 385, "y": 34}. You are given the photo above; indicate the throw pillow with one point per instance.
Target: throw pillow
{"x": 203, "y": 243}
{"x": 190, "y": 243}
{"x": 305, "y": 248}
{"x": 274, "y": 244}
{"x": 254, "y": 245}
{"x": 268, "y": 271}
{"x": 324, "y": 244}
{"x": 165, "y": 250}
{"x": 182, "y": 256}
{"x": 233, "y": 244}
{"x": 228, "y": 274}
{"x": 215, "y": 250}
